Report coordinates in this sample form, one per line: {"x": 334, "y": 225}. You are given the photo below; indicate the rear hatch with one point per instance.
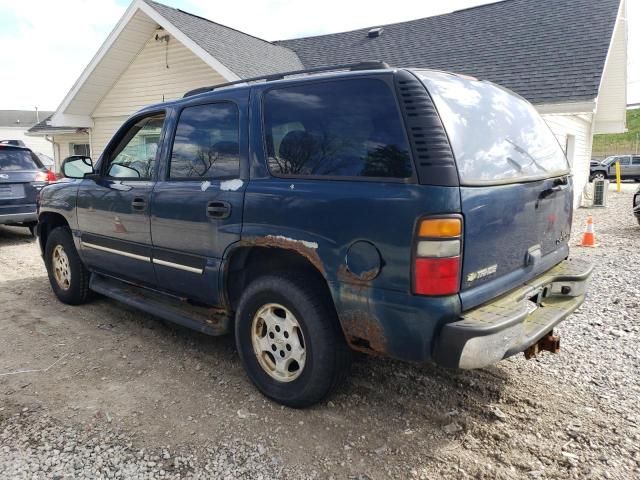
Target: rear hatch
{"x": 516, "y": 191}
{"x": 21, "y": 177}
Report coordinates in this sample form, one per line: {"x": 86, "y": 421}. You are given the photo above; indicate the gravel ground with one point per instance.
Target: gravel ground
{"x": 102, "y": 391}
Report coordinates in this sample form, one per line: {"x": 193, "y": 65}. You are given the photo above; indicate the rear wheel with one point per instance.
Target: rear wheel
{"x": 289, "y": 339}
{"x": 68, "y": 276}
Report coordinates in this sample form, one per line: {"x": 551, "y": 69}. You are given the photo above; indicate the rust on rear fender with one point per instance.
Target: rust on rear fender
{"x": 364, "y": 332}
{"x": 299, "y": 246}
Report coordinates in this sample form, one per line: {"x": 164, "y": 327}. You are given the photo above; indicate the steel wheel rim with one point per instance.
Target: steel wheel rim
{"x": 61, "y": 268}
{"x": 278, "y": 342}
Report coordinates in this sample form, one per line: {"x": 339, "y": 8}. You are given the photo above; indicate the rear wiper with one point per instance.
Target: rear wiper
{"x": 521, "y": 150}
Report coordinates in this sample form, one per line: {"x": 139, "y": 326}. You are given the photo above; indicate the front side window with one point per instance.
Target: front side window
{"x": 625, "y": 160}
{"x": 346, "y": 128}
{"x": 135, "y": 156}
{"x": 206, "y": 145}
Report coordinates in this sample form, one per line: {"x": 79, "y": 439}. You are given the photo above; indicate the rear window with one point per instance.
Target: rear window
{"x": 344, "y": 128}
{"x": 497, "y": 136}
{"x": 17, "y": 160}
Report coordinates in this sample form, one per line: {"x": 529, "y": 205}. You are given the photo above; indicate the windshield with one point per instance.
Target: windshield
{"x": 17, "y": 160}
{"x": 497, "y": 136}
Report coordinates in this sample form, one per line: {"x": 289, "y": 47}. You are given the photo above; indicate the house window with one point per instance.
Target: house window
{"x": 80, "y": 149}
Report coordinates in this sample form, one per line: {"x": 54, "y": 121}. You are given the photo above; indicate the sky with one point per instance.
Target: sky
{"x": 46, "y": 44}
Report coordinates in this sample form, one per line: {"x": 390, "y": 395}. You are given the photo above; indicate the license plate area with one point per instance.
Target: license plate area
{"x": 11, "y": 191}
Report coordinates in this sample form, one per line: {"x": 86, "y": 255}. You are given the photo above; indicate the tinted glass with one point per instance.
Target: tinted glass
{"x": 135, "y": 155}
{"x": 635, "y": 160}
{"x": 624, "y": 160}
{"x": 206, "y": 143}
{"x": 342, "y": 128}
{"x": 496, "y": 136}
{"x": 16, "y": 160}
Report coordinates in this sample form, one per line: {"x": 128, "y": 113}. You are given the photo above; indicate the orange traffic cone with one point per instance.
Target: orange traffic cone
{"x": 589, "y": 236}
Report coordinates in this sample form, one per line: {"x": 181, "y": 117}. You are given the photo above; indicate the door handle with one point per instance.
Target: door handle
{"x": 218, "y": 209}
{"x": 138, "y": 203}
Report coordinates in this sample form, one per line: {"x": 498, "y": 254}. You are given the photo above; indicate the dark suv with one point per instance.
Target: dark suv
{"x": 22, "y": 176}
{"x": 409, "y": 213}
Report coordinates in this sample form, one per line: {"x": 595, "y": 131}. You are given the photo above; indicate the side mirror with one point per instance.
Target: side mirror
{"x": 77, "y": 166}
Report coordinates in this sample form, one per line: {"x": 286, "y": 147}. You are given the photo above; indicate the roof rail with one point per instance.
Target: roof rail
{"x": 374, "y": 65}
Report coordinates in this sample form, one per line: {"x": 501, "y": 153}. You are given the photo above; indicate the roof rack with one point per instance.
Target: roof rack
{"x": 376, "y": 65}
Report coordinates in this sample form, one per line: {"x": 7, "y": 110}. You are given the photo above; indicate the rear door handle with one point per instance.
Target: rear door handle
{"x": 218, "y": 209}
{"x": 138, "y": 203}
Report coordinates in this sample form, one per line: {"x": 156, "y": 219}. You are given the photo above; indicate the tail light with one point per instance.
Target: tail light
{"x": 438, "y": 253}
{"x": 48, "y": 176}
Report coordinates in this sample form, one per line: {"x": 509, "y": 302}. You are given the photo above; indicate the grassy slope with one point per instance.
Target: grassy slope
{"x": 622, "y": 140}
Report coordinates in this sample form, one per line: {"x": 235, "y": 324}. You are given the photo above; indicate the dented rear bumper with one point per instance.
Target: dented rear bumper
{"x": 512, "y": 323}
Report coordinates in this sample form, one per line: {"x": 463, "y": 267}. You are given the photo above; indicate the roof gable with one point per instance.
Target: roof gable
{"x": 245, "y": 55}
{"x": 546, "y": 50}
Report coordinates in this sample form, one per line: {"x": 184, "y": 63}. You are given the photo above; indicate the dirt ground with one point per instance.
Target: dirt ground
{"x": 103, "y": 367}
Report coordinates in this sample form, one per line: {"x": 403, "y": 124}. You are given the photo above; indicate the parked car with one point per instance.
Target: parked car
{"x": 636, "y": 204}
{"x": 321, "y": 213}
{"x": 16, "y": 143}
{"x": 629, "y": 167}
{"x": 22, "y": 176}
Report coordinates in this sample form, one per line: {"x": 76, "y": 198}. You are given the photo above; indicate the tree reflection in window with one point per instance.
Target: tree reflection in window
{"x": 206, "y": 144}
{"x": 348, "y": 128}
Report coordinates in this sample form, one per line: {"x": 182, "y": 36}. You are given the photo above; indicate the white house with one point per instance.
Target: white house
{"x": 568, "y": 58}
{"x": 14, "y": 125}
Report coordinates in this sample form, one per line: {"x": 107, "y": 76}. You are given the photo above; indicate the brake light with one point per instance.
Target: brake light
{"x": 438, "y": 252}
{"x": 47, "y": 176}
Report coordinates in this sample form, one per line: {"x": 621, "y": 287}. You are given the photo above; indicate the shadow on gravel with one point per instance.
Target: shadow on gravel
{"x": 14, "y": 236}
{"x": 382, "y": 399}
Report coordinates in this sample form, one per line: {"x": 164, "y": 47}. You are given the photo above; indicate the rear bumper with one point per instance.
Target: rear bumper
{"x": 18, "y": 214}
{"x": 512, "y": 323}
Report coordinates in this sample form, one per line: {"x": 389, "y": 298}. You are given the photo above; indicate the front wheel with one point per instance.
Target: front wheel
{"x": 599, "y": 176}
{"x": 68, "y": 276}
{"x": 289, "y": 339}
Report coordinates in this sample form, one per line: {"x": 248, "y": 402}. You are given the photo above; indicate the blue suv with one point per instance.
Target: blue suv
{"x": 408, "y": 213}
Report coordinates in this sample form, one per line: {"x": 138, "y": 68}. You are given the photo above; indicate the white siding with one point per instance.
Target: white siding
{"x": 579, "y": 126}
{"x": 612, "y": 99}
{"x": 147, "y": 80}
{"x": 37, "y": 144}
{"x": 103, "y": 130}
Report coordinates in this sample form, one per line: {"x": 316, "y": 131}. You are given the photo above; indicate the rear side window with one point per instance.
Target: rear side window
{"x": 17, "y": 160}
{"x": 346, "y": 128}
{"x": 635, "y": 160}
{"x": 496, "y": 136}
{"x": 206, "y": 143}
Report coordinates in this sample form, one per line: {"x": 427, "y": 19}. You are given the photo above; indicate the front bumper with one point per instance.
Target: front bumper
{"x": 512, "y": 323}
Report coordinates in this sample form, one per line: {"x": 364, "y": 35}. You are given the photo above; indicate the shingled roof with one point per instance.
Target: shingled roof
{"x": 245, "y": 55}
{"x": 548, "y": 51}
{"x": 21, "y": 118}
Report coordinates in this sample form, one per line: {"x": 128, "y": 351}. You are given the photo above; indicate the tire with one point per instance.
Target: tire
{"x": 71, "y": 282}
{"x": 326, "y": 356}
{"x": 601, "y": 175}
